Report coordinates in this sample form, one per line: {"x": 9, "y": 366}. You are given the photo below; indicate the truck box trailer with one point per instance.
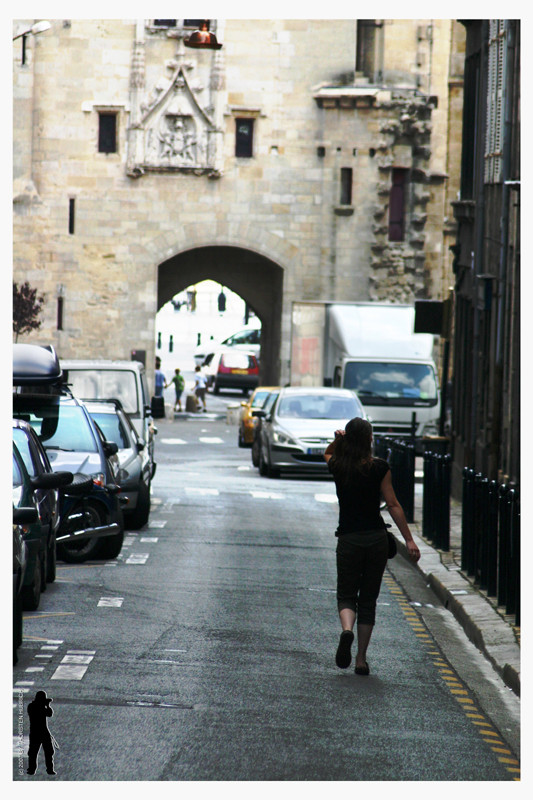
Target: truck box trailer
{"x": 372, "y": 349}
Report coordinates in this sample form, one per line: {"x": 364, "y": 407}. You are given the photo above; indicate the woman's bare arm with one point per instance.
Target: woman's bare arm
{"x": 397, "y": 513}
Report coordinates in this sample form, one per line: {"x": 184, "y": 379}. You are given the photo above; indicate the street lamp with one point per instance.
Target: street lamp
{"x": 203, "y": 38}
{"x": 38, "y": 27}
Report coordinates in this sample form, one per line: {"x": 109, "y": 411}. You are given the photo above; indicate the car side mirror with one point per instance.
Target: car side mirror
{"x": 51, "y": 480}
{"x": 110, "y": 448}
{"x": 25, "y": 516}
{"x": 257, "y": 412}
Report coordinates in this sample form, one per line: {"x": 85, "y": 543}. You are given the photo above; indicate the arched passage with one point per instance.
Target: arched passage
{"x": 256, "y": 278}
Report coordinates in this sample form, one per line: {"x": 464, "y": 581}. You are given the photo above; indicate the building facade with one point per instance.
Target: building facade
{"x": 486, "y": 375}
{"x": 302, "y": 160}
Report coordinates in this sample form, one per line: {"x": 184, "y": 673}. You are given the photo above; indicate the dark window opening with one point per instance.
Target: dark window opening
{"x": 165, "y": 23}
{"x": 365, "y": 48}
{"x": 397, "y": 202}
{"x": 107, "y": 132}
{"x": 471, "y": 128}
{"x": 23, "y": 50}
{"x": 60, "y": 313}
{"x": 71, "y": 214}
{"x": 346, "y": 186}
{"x": 244, "y": 138}
{"x": 195, "y": 23}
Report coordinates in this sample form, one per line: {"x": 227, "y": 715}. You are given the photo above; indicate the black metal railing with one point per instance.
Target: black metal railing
{"x": 490, "y": 539}
{"x": 436, "y": 499}
{"x": 401, "y": 458}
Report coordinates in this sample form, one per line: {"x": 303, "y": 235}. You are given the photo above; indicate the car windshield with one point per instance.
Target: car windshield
{"x": 58, "y": 426}
{"x": 259, "y": 398}
{"x": 387, "y": 381}
{"x": 112, "y": 428}
{"x": 317, "y": 406}
{"x": 105, "y": 384}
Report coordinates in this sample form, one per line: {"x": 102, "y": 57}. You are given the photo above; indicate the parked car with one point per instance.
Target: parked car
{"x": 46, "y": 484}
{"x": 89, "y": 509}
{"x": 258, "y": 415}
{"x": 303, "y": 420}
{"x": 248, "y": 339}
{"x": 230, "y": 369}
{"x": 134, "y": 463}
{"x": 31, "y": 492}
{"x": 247, "y": 422}
{"x": 21, "y": 518}
{"x": 103, "y": 379}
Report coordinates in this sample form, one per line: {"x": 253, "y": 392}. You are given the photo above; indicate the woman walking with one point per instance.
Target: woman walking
{"x": 362, "y": 547}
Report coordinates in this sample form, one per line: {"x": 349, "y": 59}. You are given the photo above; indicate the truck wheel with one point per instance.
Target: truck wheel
{"x": 76, "y": 552}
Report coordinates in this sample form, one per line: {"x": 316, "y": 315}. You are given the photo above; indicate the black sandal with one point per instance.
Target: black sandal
{"x": 363, "y": 670}
{"x": 343, "y": 659}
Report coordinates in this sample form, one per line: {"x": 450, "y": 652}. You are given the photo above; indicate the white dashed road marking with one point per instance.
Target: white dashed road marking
{"x": 111, "y": 602}
{"x": 269, "y": 495}
{"x": 191, "y": 490}
{"x": 160, "y": 523}
{"x": 138, "y": 558}
{"x": 211, "y": 440}
{"x": 326, "y": 498}
{"x": 69, "y": 672}
{"x": 173, "y": 441}
{"x": 149, "y": 539}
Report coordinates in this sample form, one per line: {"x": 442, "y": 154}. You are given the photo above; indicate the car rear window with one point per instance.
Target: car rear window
{"x": 105, "y": 384}
{"x": 238, "y": 361}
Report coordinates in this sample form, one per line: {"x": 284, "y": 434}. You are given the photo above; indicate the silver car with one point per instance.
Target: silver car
{"x": 295, "y": 433}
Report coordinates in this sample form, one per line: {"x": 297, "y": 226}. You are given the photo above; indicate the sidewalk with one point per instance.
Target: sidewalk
{"x": 486, "y": 625}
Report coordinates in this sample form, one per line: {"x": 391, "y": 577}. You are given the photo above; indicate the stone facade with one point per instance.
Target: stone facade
{"x": 305, "y": 217}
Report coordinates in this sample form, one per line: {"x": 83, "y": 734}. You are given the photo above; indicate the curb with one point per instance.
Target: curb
{"x": 482, "y": 624}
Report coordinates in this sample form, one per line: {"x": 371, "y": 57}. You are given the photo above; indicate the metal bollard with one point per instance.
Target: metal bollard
{"x": 467, "y": 533}
{"x": 503, "y": 546}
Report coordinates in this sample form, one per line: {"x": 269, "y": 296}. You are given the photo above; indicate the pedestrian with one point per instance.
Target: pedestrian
{"x": 159, "y": 378}
{"x": 38, "y": 711}
{"x": 200, "y": 387}
{"x": 362, "y": 547}
{"x": 179, "y": 384}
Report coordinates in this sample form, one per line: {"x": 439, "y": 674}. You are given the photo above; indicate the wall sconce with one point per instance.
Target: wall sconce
{"x": 203, "y": 39}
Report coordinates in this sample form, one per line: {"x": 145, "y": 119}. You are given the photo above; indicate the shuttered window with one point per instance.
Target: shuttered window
{"x": 495, "y": 87}
{"x": 397, "y": 204}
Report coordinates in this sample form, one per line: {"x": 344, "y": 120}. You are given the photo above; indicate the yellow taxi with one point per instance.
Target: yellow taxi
{"x": 247, "y": 423}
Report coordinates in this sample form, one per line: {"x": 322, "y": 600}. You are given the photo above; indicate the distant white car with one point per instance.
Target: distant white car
{"x": 248, "y": 340}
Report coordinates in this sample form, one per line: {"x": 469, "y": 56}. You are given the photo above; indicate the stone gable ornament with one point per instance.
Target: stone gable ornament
{"x": 175, "y": 132}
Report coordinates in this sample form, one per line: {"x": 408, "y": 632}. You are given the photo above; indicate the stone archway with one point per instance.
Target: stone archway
{"x": 256, "y": 278}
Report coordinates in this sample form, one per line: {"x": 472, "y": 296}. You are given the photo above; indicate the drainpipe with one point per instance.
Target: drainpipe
{"x": 478, "y": 243}
{"x": 507, "y": 103}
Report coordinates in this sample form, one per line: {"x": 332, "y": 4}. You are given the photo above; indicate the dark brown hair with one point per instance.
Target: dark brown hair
{"x": 353, "y": 451}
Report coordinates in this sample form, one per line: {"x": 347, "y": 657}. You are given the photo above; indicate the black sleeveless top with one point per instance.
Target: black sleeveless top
{"x": 359, "y": 500}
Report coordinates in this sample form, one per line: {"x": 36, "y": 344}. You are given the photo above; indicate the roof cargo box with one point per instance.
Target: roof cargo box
{"x": 35, "y": 364}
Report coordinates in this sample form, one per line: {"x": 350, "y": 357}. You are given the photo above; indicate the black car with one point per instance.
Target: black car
{"x": 46, "y": 484}
{"x": 135, "y": 465}
{"x": 91, "y": 524}
{"x": 33, "y": 492}
{"x": 21, "y": 518}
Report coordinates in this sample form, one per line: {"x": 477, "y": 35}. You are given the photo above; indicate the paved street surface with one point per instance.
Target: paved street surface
{"x": 205, "y": 652}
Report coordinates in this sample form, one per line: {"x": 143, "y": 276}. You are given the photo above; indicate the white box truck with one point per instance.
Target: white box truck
{"x": 372, "y": 349}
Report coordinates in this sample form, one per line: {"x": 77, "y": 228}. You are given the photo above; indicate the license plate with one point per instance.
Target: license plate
{"x": 239, "y": 372}
{"x": 315, "y": 451}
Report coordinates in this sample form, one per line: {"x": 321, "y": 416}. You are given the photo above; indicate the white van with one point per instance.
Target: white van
{"x": 102, "y": 379}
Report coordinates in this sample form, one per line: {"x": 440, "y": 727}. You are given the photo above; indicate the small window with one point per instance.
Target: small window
{"x": 244, "y": 138}
{"x": 107, "y": 132}
{"x": 346, "y": 186}
{"x": 397, "y": 203}
{"x": 165, "y": 23}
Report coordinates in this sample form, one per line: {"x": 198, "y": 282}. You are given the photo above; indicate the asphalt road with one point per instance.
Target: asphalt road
{"x": 205, "y": 652}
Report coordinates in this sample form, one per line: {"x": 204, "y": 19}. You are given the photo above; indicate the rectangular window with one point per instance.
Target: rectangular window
{"x": 397, "y": 204}
{"x": 165, "y": 23}
{"x": 244, "y": 138}
{"x": 107, "y": 132}
{"x": 346, "y": 186}
{"x": 71, "y": 214}
{"x": 60, "y": 313}
{"x": 365, "y": 47}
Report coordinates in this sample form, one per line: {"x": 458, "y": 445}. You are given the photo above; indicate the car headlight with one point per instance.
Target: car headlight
{"x": 280, "y": 437}
{"x": 430, "y": 429}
